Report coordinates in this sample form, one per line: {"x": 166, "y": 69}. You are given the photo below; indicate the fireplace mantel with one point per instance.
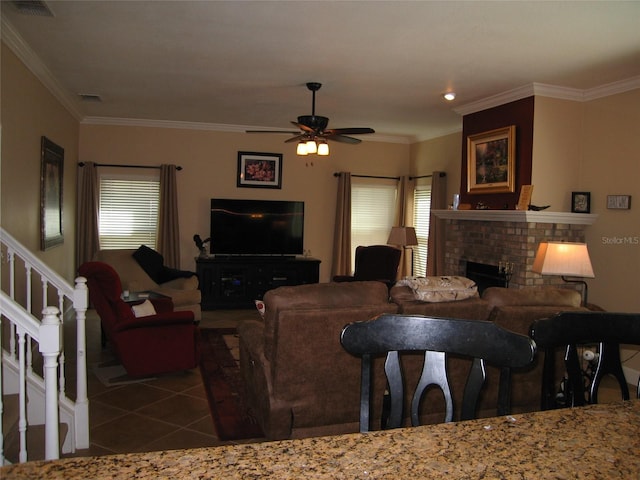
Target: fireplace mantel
{"x": 522, "y": 216}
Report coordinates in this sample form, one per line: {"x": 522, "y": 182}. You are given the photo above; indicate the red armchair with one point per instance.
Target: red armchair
{"x": 160, "y": 343}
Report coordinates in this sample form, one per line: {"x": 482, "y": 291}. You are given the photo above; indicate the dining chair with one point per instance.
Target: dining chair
{"x": 568, "y": 330}
{"x": 390, "y": 335}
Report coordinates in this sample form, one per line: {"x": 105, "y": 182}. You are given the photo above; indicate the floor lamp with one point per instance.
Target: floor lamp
{"x": 565, "y": 259}
{"x": 404, "y": 237}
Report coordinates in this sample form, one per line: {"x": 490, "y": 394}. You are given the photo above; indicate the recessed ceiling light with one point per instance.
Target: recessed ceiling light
{"x": 449, "y": 96}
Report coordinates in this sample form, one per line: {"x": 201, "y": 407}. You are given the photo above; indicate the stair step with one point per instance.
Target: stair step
{"x": 10, "y": 412}
{"x": 35, "y": 433}
{"x": 35, "y": 442}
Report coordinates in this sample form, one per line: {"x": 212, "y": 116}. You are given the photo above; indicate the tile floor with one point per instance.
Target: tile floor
{"x": 165, "y": 413}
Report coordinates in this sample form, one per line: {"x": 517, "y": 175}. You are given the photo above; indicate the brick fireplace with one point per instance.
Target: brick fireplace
{"x": 495, "y": 237}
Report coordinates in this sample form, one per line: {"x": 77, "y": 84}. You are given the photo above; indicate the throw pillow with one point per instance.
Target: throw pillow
{"x": 151, "y": 262}
{"x": 143, "y": 309}
{"x": 441, "y": 289}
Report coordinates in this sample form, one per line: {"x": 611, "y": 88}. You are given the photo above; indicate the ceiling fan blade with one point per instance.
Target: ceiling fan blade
{"x": 342, "y": 139}
{"x": 297, "y": 138}
{"x": 272, "y": 131}
{"x": 349, "y": 131}
{"x": 303, "y": 127}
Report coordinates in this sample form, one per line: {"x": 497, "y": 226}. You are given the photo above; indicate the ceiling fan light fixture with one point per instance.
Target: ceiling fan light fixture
{"x": 302, "y": 149}
{"x": 312, "y": 147}
{"x": 323, "y": 149}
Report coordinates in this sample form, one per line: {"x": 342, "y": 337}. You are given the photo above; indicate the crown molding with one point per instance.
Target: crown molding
{"x": 31, "y": 60}
{"x": 551, "y": 91}
{"x": 612, "y": 88}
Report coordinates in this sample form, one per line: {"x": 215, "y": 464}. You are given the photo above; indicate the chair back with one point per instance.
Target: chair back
{"x": 377, "y": 262}
{"x": 436, "y": 337}
{"x": 104, "y": 291}
{"x": 568, "y": 330}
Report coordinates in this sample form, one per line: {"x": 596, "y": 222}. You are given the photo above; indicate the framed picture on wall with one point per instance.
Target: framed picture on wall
{"x": 581, "y": 202}
{"x": 52, "y": 163}
{"x": 259, "y": 170}
{"x": 491, "y": 161}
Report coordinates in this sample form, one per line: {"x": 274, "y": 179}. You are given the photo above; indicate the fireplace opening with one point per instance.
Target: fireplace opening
{"x": 486, "y": 275}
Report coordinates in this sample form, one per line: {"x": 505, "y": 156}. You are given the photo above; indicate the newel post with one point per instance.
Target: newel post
{"x": 50, "y": 333}
{"x": 81, "y": 304}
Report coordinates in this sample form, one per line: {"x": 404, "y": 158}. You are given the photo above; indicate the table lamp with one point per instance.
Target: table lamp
{"x": 404, "y": 237}
{"x": 565, "y": 259}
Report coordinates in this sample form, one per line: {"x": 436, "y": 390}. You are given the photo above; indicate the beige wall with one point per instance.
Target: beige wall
{"x": 593, "y": 147}
{"x": 209, "y": 159}
{"x": 28, "y": 112}
{"x": 557, "y": 152}
{"x": 441, "y": 154}
{"x": 611, "y": 165}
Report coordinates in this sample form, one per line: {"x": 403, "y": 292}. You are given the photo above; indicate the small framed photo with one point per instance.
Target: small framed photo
{"x": 259, "y": 170}
{"x": 620, "y": 202}
{"x": 581, "y": 202}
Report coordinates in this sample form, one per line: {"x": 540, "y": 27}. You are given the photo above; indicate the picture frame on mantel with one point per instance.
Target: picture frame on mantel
{"x": 259, "y": 170}
{"x": 581, "y": 202}
{"x": 491, "y": 161}
{"x": 51, "y": 177}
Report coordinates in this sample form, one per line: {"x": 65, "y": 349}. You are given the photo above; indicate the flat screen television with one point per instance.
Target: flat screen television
{"x": 256, "y": 227}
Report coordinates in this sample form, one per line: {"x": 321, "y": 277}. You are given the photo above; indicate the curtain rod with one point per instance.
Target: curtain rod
{"x": 337, "y": 174}
{"x": 82, "y": 164}
{"x": 442, "y": 174}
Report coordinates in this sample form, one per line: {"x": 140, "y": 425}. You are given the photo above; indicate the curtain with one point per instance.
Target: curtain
{"x": 436, "y": 247}
{"x": 87, "y": 234}
{"x": 341, "y": 264}
{"x": 168, "y": 242}
{"x": 404, "y": 218}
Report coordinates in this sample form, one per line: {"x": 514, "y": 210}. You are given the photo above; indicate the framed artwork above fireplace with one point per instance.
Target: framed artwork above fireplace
{"x": 491, "y": 161}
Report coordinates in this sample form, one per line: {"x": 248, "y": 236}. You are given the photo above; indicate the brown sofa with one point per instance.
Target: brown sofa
{"x": 298, "y": 379}
{"x": 300, "y": 382}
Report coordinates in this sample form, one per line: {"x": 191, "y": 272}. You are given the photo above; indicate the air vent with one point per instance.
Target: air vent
{"x": 90, "y": 97}
{"x": 33, "y": 7}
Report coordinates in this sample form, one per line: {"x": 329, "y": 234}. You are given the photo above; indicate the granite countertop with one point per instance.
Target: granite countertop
{"x": 598, "y": 441}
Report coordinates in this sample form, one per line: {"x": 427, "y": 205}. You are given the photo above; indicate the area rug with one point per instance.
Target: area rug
{"x": 220, "y": 371}
{"x": 112, "y": 374}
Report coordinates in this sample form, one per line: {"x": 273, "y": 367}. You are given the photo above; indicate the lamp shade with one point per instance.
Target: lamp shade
{"x": 403, "y": 236}
{"x": 563, "y": 258}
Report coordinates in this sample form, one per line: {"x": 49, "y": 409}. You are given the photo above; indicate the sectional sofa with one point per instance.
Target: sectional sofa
{"x": 300, "y": 382}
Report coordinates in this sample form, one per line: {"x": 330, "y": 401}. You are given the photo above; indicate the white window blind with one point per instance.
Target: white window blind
{"x": 421, "y": 215}
{"x": 128, "y": 212}
{"x": 372, "y": 212}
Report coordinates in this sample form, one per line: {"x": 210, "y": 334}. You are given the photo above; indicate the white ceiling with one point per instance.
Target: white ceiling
{"x": 383, "y": 64}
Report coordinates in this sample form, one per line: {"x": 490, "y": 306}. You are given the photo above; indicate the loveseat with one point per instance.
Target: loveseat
{"x": 181, "y": 286}
{"x": 300, "y": 382}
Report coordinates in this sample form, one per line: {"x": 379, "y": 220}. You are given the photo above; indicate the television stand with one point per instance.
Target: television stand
{"x": 237, "y": 281}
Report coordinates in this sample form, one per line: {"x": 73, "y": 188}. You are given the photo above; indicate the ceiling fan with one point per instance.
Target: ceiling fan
{"x": 313, "y": 128}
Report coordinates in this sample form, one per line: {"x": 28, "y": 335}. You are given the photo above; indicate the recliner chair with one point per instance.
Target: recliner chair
{"x": 148, "y": 345}
{"x": 374, "y": 262}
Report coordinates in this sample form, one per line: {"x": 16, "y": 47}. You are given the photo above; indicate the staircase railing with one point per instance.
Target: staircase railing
{"x": 33, "y": 287}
